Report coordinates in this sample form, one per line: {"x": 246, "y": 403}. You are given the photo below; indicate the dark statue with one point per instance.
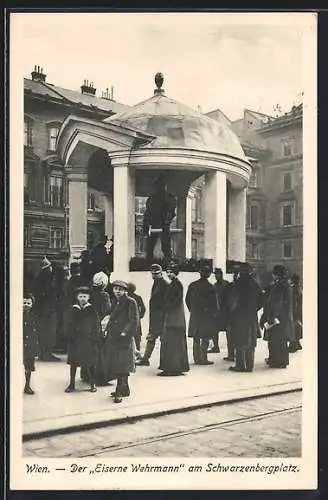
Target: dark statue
{"x": 160, "y": 211}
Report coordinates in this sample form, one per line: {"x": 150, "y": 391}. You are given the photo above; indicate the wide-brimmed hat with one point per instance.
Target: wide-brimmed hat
{"x": 45, "y": 263}
{"x": 156, "y": 269}
{"x": 120, "y": 284}
{"x": 82, "y": 289}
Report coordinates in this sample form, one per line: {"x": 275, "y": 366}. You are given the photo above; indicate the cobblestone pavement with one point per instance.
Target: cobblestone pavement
{"x": 263, "y": 427}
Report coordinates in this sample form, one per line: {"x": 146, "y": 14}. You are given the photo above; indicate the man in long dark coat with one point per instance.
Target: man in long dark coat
{"x": 221, "y": 288}
{"x": 201, "y": 303}
{"x": 45, "y": 307}
{"x": 277, "y": 319}
{"x": 156, "y": 312}
{"x": 244, "y": 323}
{"x": 297, "y": 313}
{"x": 174, "y": 352}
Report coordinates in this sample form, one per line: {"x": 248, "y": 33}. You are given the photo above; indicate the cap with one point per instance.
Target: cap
{"x": 279, "y": 270}
{"x": 156, "y": 269}
{"x": 120, "y": 284}
{"x": 218, "y": 270}
{"x": 82, "y": 289}
{"x": 45, "y": 263}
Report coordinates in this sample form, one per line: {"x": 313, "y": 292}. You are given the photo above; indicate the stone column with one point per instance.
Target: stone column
{"x": 77, "y": 203}
{"x": 124, "y": 219}
{"x": 189, "y": 225}
{"x": 237, "y": 224}
{"x": 215, "y": 218}
{"x": 181, "y": 224}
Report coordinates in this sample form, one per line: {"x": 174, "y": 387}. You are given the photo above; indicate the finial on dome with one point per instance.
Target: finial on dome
{"x": 159, "y": 80}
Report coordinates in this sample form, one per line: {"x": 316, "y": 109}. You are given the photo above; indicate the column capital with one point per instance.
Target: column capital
{"x": 119, "y": 158}
{"x": 77, "y": 173}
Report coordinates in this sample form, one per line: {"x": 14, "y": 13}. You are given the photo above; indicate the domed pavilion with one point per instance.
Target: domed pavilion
{"x": 124, "y": 154}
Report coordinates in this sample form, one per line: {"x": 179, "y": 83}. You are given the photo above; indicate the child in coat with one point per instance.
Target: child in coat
{"x": 30, "y": 340}
{"x": 84, "y": 336}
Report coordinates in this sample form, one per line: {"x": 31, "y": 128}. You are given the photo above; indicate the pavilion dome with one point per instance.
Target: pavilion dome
{"x": 176, "y": 125}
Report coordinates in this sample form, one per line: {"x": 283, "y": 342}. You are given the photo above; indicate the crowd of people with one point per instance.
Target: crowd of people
{"x": 98, "y": 323}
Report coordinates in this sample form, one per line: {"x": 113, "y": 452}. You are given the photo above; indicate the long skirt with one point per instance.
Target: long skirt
{"x": 278, "y": 352}
{"x": 174, "y": 353}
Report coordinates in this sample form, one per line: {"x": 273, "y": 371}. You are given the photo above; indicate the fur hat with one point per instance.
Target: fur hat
{"x": 120, "y": 284}
{"x": 100, "y": 279}
{"x": 45, "y": 263}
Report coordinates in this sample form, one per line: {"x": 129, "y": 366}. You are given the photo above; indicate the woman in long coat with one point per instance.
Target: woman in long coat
{"x": 244, "y": 321}
{"x": 201, "y": 302}
{"x": 278, "y": 319}
{"x": 174, "y": 353}
{"x": 120, "y": 345}
{"x": 101, "y": 304}
{"x": 84, "y": 336}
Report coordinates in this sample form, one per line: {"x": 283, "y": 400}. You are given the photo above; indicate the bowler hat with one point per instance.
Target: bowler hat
{"x": 156, "y": 269}
{"x": 120, "y": 284}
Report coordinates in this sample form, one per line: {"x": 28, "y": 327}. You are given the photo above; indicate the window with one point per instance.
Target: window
{"x": 26, "y": 187}
{"x": 254, "y": 217}
{"x": 254, "y": 179}
{"x": 287, "y": 250}
{"x": 194, "y": 248}
{"x": 56, "y": 237}
{"x": 91, "y": 201}
{"x": 140, "y": 245}
{"x": 90, "y": 240}
{"x": 28, "y": 133}
{"x": 287, "y": 214}
{"x": 27, "y": 236}
{"x": 287, "y": 148}
{"x": 56, "y": 191}
{"x": 29, "y": 186}
{"x": 53, "y": 133}
{"x": 287, "y": 181}
{"x": 194, "y": 209}
{"x": 140, "y": 205}
{"x": 254, "y": 251}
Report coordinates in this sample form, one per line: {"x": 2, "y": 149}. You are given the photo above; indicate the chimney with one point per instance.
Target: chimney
{"x": 38, "y": 75}
{"x": 106, "y": 94}
{"x": 88, "y": 88}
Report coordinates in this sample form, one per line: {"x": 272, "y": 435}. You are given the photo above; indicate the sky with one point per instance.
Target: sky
{"x": 225, "y": 61}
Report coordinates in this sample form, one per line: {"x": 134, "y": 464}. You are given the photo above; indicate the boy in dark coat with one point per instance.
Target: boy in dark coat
{"x": 244, "y": 323}
{"x": 84, "y": 335}
{"x": 30, "y": 340}
{"x": 201, "y": 303}
{"x": 174, "y": 353}
{"x": 142, "y": 311}
{"x": 120, "y": 346}
{"x": 156, "y": 312}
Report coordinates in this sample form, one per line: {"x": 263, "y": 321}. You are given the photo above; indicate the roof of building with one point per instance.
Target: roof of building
{"x": 176, "y": 125}
{"x": 290, "y": 117}
{"x": 73, "y": 97}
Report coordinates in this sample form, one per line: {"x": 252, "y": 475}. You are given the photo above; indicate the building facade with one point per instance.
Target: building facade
{"x": 274, "y": 197}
